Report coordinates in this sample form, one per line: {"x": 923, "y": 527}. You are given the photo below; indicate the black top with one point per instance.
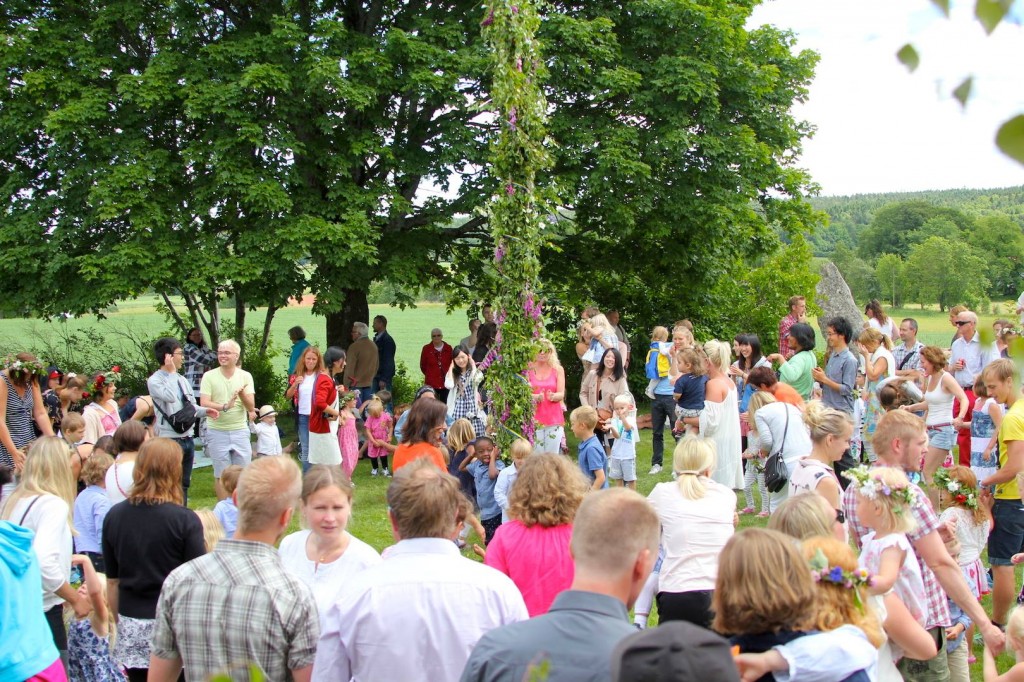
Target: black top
{"x": 142, "y": 544}
{"x": 385, "y": 354}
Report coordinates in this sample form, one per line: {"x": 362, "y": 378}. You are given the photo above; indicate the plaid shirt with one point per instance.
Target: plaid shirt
{"x": 235, "y": 605}
{"x": 900, "y": 352}
{"x": 197, "y": 361}
{"x": 784, "y": 326}
{"x": 927, "y": 522}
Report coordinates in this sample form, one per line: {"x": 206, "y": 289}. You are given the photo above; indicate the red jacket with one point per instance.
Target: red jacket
{"x": 434, "y": 364}
{"x": 324, "y": 394}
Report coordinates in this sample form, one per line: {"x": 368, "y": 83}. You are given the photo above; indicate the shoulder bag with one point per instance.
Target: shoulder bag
{"x": 776, "y": 475}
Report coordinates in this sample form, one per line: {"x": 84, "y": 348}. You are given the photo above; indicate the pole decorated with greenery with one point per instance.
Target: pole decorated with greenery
{"x": 515, "y": 212}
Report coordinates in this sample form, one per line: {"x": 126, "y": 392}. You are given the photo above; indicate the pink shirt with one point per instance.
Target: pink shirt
{"x": 536, "y": 559}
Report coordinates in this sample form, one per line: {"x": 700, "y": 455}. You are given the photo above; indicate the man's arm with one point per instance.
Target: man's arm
{"x": 164, "y": 669}
{"x": 303, "y": 674}
{"x": 1014, "y": 463}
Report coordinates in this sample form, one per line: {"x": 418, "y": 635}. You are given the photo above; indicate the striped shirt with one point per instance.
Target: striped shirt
{"x": 19, "y": 420}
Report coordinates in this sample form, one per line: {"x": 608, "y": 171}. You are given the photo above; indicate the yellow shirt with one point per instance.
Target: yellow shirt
{"x": 1011, "y": 430}
{"x": 220, "y": 389}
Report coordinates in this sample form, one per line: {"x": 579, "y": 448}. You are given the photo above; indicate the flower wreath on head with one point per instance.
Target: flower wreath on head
{"x": 870, "y": 487}
{"x": 30, "y": 367}
{"x": 837, "y": 575}
{"x": 960, "y": 493}
{"x": 100, "y": 381}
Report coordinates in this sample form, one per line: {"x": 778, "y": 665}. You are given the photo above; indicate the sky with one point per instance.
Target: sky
{"x": 881, "y": 128}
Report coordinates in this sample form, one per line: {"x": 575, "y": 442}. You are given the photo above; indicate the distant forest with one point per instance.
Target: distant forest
{"x": 944, "y": 247}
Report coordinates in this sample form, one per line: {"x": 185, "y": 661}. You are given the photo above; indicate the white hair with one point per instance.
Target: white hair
{"x": 361, "y": 328}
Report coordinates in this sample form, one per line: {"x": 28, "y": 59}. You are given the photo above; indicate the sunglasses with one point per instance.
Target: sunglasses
{"x": 840, "y": 516}
{"x": 961, "y": 323}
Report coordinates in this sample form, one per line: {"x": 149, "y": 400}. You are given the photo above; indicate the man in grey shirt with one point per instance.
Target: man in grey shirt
{"x": 169, "y": 391}
{"x": 839, "y": 379}
{"x": 574, "y": 639}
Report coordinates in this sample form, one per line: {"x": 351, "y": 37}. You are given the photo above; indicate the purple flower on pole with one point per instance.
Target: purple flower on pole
{"x": 499, "y": 252}
{"x": 519, "y": 65}
{"x": 512, "y": 118}
{"x": 489, "y": 20}
{"x": 515, "y": 9}
{"x": 510, "y": 189}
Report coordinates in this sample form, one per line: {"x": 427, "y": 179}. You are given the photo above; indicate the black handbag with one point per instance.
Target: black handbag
{"x": 776, "y": 475}
{"x": 184, "y": 420}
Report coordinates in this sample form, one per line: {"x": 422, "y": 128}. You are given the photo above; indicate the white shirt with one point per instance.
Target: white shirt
{"x": 268, "y": 439}
{"x": 52, "y": 543}
{"x": 693, "y": 533}
{"x": 306, "y": 394}
{"x": 1020, "y": 304}
{"x": 325, "y": 580}
{"x": 770, "y": 422}
{"x": 889, "y": 328}
{"x": 502, "y": 488}
{"x": 414, "y": 617}
{"x": 975, "y": 358}
{"x": 119, "y": 481}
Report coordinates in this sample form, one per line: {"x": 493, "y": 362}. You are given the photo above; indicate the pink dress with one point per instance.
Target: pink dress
{"x": 348, "y": 440}
{"x": 537, "y": 560}
{"x": 378, "y": 428}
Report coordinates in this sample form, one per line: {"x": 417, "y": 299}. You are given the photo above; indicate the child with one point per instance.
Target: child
{"x": 348, "y": 434}
{"x": 884, "y": 499}
{"x": 622, "y": 427}
{"x": 591, "y": 455}
{"x": 602, "y": 337}
{"x": 268, "y": 436}
{"x": 754, "y": 471}
{"x": 689, "y": 388}
{"x": 378, "y": 431}
{"x": 658, "y": 359}
{"x": 89, "y": 656}
{"x": 400, "y": 416}
{"x": 91, "y": 507}
{"x": 985, "y": 423}
{"x": 213, "y": 531}
{"x": 460, "y": 442}
{"x": 485, "y": 464}
{"x": 72, "y": 430}
{"x": 520, "y": 450}
{"x": 226, "y": 511}
{"x": 1014, "y": 643}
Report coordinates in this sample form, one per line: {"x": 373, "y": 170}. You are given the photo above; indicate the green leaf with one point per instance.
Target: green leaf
{"x": 991, "y": 12}
{"x": 942, "y": 5}
{"x": 963, "y": 91}
{"x": 1010, "y": 138}
{"x": 908, "y": 57}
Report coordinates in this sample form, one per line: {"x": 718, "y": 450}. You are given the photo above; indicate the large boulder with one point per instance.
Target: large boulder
{"x": 834, "y": 298}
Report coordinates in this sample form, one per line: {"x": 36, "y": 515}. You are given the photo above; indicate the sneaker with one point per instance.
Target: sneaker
{"x": 748, "y": 510}
{"x": 764, "y": 515}
{"x": 387, "y": 474}
{"x": 656, "y": 469}
{"x": 649, "y": 393}
{"x": 373, "y": 473}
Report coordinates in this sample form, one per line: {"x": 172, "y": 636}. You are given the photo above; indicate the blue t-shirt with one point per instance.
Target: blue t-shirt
{"x": 664, "y": 386}
{"x": 591, "y": 458}
{"x": 227, "y": 513}
{"x": 489, "y": 508}
{"x": 690, "y": 388}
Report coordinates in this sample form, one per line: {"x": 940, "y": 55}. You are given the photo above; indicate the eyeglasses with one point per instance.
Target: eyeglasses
{"x": 435, "y": 336}
{"x": 840, "y": 516}
{"x": 178, "y": 352}
{"x": 961, "y": 323}
{"x": 226, "y": 352}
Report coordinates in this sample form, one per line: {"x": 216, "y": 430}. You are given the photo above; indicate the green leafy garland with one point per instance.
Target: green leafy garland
{"x": 515, "y": 213}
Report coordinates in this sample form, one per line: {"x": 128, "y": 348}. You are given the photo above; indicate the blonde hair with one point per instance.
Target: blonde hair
{"x": 692, "y": 358}
{"x": 547, "y": 492}
{"x": 94, "y": 470}
{"x": 763, "y": 585}
{"x": 692, "y": 459}
{"x": 896, "y": 425}
{"x": 267, "y": 488}
{"x": 322, "y": 476}
{"x": 374, "y": 407}
{"x": 872, "y": 335}
{"x": 47, "y": 471}
{"x": 546, "y": 346}
{"x": 803, "y": 516}
{"x": 757, "y": 401}
{"x": 613, "y": 517}
{"x": 1001, "y": 370}
{"x": 460, "y": 434}
{"x": 825, "y": 421}
{"x": 599, "y": 323}
{"x": 659, "y": 334}
{"x": 72, "y": 421}
{"x": 157, "y": 474}
{"x": 685, "y": 335}
{"x": 1015, "y": 628}
{"x": 213, "y": 531}
{"x": 893, "y": 513}
{"x": 719, "y": 354}
{"x": 836, "y": 605}
{"x": 520, "y": 449}
{"x": 584, "y": 415}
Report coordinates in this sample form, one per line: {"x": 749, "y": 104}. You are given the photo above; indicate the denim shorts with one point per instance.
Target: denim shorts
{"x": 942, "y": 437}
{"x": 1008, "y": 532}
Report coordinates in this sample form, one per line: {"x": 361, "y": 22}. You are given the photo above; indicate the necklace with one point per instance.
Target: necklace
{"x": 327, "y": 555}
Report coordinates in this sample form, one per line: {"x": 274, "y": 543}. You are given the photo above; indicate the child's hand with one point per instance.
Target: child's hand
{"x": 1017, "y": 558}
{"x": 480, "y": 551}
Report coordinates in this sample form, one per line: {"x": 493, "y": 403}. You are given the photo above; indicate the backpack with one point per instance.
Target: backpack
{"x": 657, "y": 364}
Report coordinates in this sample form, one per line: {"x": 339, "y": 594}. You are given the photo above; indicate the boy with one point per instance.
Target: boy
{"x": 268, "y": 436}
{"x": 591, "y": 457}
{"x": 623, "y": 430}
{"x": 485, "y": 464}
{"x": 226, "y": 511}
{"x": 658, "y": 359}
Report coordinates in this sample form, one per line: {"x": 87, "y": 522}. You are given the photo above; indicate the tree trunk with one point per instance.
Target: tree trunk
{"x": 271, "y": 311}
{"x": 240, "y": 321}
{"x": 339, "y": 324}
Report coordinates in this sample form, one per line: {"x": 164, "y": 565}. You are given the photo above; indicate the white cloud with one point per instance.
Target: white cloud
{"x": 883, "y": 129}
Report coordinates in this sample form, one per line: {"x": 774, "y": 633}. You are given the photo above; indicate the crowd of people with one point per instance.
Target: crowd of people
{"x": 871, "y": 568}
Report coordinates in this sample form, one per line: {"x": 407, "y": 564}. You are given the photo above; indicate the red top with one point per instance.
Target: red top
{"x": 324, "y": 394}
{"x": 434, "y": 364}
{"x": 406, "y": 453}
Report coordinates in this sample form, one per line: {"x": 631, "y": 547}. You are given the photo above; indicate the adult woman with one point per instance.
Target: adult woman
{"x": 42, "y": 502}
{"x": 698, "y": 516}
{"x": 940, "y": 389}
{"x": 603, "y": 383}
{"x": 875, "y": 348}
{"x": 145, "y": 538}
{"x": 421, "y": 436}
{"x": 128, "y": 438}
{"x": 547, "y": 383}
{"x": 21, "y": 404}
{"x": 326, "y": 556}
{"x": 101, "y": 415}
{"x": 323, "y": 406}
{"x": 58, "y": 401}
{"x": 806, "y": 516}
{"x": 463, "y": 384}
{"x": 484, "y": 340}
{"x": 796, "y": 371}
{"x": 532, "y": 547}
{"x": 877, "y": 319}
{"x": 830, "y": 432}
{"x": 1005, "y": 336}
{"x": 300, "y": 392}
{"x": 719, "y": 421}
{"x": 780, "y": 428}
{"x": 748, "y": 358}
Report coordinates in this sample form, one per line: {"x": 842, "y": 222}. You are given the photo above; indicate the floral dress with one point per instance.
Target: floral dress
{"x": 89, "y": 658}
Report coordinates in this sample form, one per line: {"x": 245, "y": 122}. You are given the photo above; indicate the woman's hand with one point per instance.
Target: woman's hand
{"x": 19, "y": 459}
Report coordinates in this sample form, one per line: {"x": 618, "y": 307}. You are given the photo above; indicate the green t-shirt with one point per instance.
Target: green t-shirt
{"x": 797, "y": 373}
{"x": 220, "y": 389}
{"x": 1011, "y": 430}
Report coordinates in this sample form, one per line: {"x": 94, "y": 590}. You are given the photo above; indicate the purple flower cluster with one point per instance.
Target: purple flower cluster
{"x": 512, "y": 118}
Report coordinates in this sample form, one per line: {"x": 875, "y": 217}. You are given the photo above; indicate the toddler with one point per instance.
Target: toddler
{"x": 622, "y": 427}
{"x": 485, "y": 464}
{"x": 401, "y": 415}
{"x": 754, "y": 471}
{"x": 213, "y": 531}
{"x": 602, "y": 337}
{"x": 378, "y": 432}
{"x": 348, "y": 434}
{"x": 268, "y": 435}
{"x": 689, "y": 389}
{"x": 658, "y": 359}
{"x": 72, "y": 430}
{"x": 89, "y": 657}
{"x": 985, "y": 423}
{"x": 520, "y": 450}
{"x": 226, "y": 511}
{"x": 91, "y": 507}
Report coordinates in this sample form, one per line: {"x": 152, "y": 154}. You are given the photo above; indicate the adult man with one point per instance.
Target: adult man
{"x": 966, "y": 361}
{"x": 901, "y": 441}
{"x": 838, "y": 379}
{"x": 487, "y": 312}
{"x": 620, "y": 334}
{"x": 299, "y": 346}
{"x": 229, "y": 390}
{"x": 238, "y": 604}
{"x": 169, "y": 392}
{"x": 385, "y": 354}
{"x": 468, "y": 343}
{"x": 418, "y": 614}
{"x": 586, "y": 621}
{"x": 435, "y": 359}
{"x": 362, "y": 362}
{"x": 797, "y": 313}
{"x": 908, "y": 353}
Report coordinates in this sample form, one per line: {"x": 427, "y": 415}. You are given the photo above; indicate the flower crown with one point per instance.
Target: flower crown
{"x": 104, "y": 378}
{"x": 870, "y": 487}
{"x": 961, "y": 494}
{"x": 30, "y": 367}
{"x": 837, "y": 575}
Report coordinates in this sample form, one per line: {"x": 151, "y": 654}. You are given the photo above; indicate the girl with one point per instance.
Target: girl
{"x": 89, "y": 658}
{"x": 101, "y": 416}
{"x": 127, "y": 441}
{"x": 688, "y": 391}
{"x": 884, "y": 499}
{"x": 91, "y": 507}
{"x": 60, "y": 400}
{"x": 754, "y": 469}
{"x": 348, "y": 436}
{"x": 379, "y": 431}
{"x": 463, "y": 384}
{"x": 519, "y": 450}
{"x": 622, "y": 428}
{"x": 460, "y": 442}
{"x": 877, "y": 319}
{"x": 985, "y": 423}
{"x": 876, "y": 351}
{"x": 213, "y": 531}
{"x": 72, "y": 433}
{"x": 659, "y": 359}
